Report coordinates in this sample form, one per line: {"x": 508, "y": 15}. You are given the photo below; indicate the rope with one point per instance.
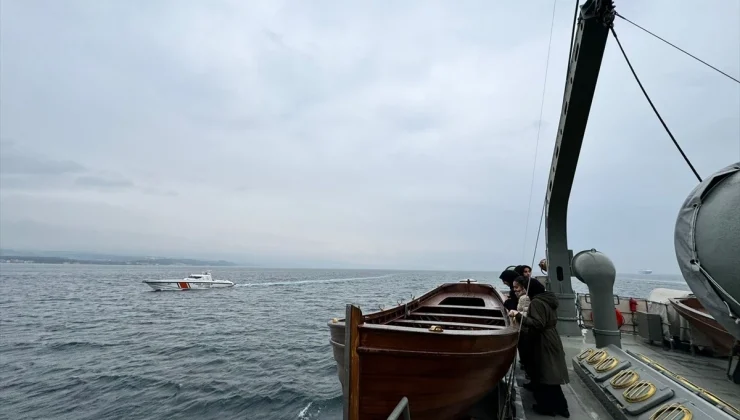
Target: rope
{"x": 567, "y": 72}
{"x": 512, "y": 372}
{"x": 570, "y": 57}
{"x": 539, "y": 230}
{"x": 539, "y": 129}
{"x": 653, "y": 106}
{"x": 681, "y": 49}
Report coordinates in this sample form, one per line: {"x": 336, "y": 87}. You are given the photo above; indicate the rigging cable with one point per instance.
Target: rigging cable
{"x": 539, "y": 128}
{"x": 542, "y": 215}
{"x": 567, "y": 72}
{"x": 512, "y": 371}
{"x": 680, "y": 49}
{"x": 653, "y": 106}
{"x": 539, "y": 230}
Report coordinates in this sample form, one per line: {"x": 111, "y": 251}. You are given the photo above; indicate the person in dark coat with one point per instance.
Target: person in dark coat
{"x": 526, "y": 289}
{"x": 547, "y": 358}
{"x": 508, "y": 276}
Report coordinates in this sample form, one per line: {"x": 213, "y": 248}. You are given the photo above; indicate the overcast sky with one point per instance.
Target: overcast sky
{"x": 348, "y": 133}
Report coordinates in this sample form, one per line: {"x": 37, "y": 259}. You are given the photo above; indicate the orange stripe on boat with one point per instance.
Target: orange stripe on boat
{"x": 184, "y": 285}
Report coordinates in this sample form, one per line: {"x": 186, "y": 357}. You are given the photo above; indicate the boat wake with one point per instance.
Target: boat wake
{"x": 290, "y": 283}
{"x": 302, "y": 413}
{"x": 322, "y": 409}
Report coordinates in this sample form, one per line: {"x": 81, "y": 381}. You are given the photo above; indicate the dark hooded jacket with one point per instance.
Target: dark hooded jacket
{"x": 547, "y": 357}
{"x": 526, "y": 340}
{"x": 534, "y": 287}
{"x": 508, "y": 276}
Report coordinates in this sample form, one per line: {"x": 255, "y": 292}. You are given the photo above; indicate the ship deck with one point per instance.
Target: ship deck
{"x": 706, "y": 372}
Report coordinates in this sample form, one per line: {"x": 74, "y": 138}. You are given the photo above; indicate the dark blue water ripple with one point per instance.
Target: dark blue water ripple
{"x": 92, "y": 342}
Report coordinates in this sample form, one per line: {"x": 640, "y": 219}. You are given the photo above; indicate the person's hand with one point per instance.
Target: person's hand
{"x": 512, "y": 313}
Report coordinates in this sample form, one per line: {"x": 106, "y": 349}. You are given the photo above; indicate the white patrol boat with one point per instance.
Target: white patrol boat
{"x": 193, "y": 281}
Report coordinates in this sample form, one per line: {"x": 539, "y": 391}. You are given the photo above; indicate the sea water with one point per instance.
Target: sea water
{"x": 93, "y": 342}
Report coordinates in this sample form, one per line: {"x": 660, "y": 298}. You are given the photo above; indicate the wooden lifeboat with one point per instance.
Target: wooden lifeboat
{"x": 444, "y": 351}
{"x": 694, "y": 312}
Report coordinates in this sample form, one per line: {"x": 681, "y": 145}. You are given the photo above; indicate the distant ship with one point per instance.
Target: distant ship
{"x": 645, "y": 271}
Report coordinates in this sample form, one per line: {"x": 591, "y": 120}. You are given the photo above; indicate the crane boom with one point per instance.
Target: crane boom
{"x": 589, "y": 43}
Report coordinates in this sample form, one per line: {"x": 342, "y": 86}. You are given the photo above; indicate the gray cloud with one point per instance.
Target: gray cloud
{"x": 13, "y": 162}
{"x": 103, "y": 183}
{"x": 399, "y": 135}
{"x": 159, "y": 192}
{"x": 22, "y": 165}
{"x": 23, "y": 170}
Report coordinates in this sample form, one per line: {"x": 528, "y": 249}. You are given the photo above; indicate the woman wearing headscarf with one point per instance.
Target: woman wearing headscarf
{"x": 524, "y": 270}
{"x": 545, "y": 357}
{"x": 508, "y": 276}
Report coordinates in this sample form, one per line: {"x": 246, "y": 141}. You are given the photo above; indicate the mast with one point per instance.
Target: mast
{"x": 589, "y": 43}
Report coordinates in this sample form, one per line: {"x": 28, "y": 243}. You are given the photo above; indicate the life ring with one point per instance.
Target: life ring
{"x": 620, "y": 318}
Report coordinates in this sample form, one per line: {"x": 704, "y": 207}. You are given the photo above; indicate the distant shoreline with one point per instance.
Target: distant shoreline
{"x": 22, "y": 259}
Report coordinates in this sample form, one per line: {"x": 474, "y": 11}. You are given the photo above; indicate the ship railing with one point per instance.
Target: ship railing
{"x": 622, "y": 303}
{"x": 401, "y": 410}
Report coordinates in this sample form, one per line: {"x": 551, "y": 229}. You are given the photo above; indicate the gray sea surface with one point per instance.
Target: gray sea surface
{"x": 93, "y": 342}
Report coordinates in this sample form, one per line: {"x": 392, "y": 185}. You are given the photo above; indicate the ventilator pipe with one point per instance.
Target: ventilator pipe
{"x": 597, "y": 271}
